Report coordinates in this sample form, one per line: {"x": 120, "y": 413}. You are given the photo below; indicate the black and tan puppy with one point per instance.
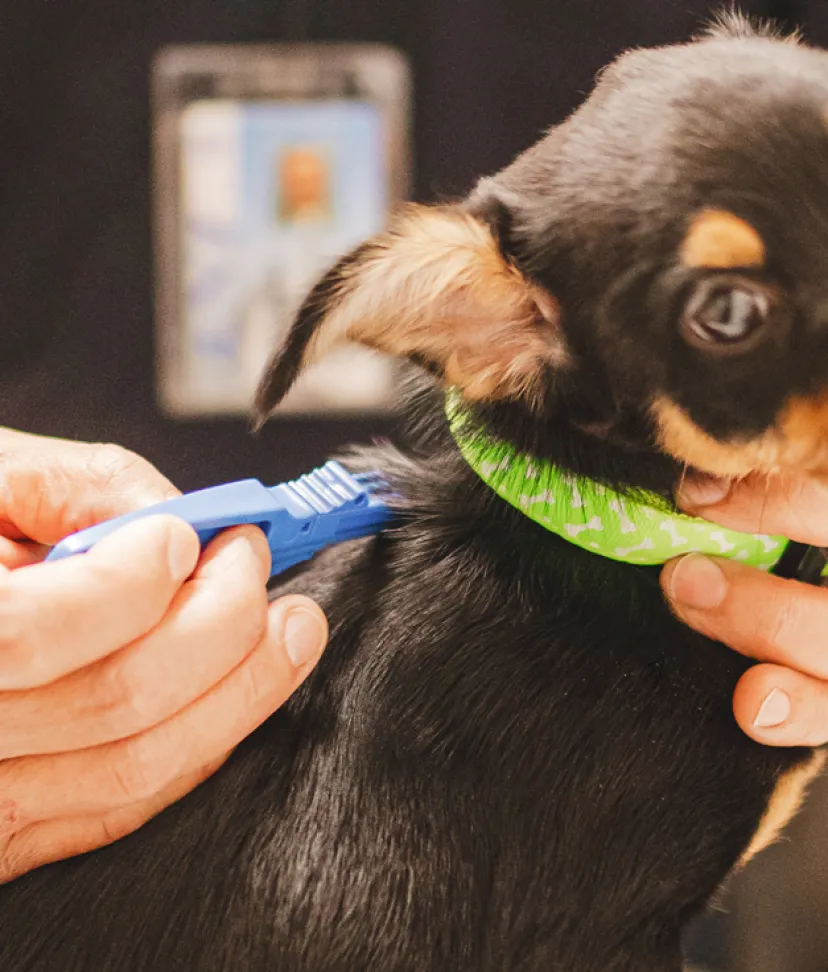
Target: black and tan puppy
{"x": 512, "y": 757}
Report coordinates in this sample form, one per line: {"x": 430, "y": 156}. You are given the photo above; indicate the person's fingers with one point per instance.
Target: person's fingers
{"x": 781, "y": 707}
{"x": 56, "y": 840}
{"x": 56, "y": 618}
{"x": 760, "y": 615}
{"x": 14, "y": 554}
{"x": 99, "y": 781}
{"x": 787, "y": 506}
{"x": 214, "y": 622}
{"x": 50, "y": 488}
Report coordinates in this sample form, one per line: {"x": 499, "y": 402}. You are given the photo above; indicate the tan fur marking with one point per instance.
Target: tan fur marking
{"x": 720, "y": 240}
{"x": 437, "y": 285}
{"x": 785, "y": 801}
{"x": 804, "y": 427}
{"x": 798, "y": 442}
{"x": 682, "y": 438}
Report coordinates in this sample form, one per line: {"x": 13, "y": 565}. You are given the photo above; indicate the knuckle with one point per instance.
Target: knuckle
{"x": 114, "y": 460}
{"x": 256, "y": 685}
{"x": 788, "y": 634}
{"x": 16, "y": 858}
{"x": 12, "y": 636}
{"x": 251, "y": 609}
{"x": 117, "y": 466}
{"x": 246, "y": 620}
{"x": 125, "y": 699}
{"x": 262, "y": 679}
{"x": 22, "y": 655}
{"x": 112, "y": 827}
{"x": 767, "y": 617}
{"x": 26, "y": 485}
{"x": 783, "y": 618}
{"x": 10, "y": 819}
{"x": 137, "y": 772}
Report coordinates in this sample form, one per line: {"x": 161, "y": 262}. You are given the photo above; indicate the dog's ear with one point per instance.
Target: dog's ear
{"x": 436, "y": 288}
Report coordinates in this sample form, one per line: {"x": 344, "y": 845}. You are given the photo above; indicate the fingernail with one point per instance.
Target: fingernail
{"x": 182, "y": 553}
{"x": 703, "y": 491}
{"x": 304, "y": 637}
{"x": 773, "y": 711}
{"x": 698, "y": 583}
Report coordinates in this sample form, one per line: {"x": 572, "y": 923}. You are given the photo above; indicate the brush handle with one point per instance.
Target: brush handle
{"x": 298, "y": 518}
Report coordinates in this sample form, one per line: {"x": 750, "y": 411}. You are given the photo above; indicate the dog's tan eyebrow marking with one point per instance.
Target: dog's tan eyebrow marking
{"x": 718, "y": 240}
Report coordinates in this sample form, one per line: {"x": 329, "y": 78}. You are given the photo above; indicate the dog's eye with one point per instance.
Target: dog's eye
{"x": 725, "y": 316}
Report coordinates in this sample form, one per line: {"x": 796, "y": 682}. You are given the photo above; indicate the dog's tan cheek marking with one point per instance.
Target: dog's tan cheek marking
{"x": 436, "y": 285}
{"x": 803, "y": 424}
{"x": 718, "y": 240}
{"x": 785, "y": 801}
{"x": 797, "y": 443}
{"x": 684, "y": 440}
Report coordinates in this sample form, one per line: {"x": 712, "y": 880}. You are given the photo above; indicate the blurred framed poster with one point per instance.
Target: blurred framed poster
{"x": 270, "y": 163}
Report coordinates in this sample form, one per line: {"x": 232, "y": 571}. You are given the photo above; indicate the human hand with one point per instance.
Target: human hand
{"x": 782, "y": 623}
{"x": 129, "y": 674}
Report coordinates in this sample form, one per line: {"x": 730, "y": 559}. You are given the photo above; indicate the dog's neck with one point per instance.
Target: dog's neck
{"x": 635, "y": 527}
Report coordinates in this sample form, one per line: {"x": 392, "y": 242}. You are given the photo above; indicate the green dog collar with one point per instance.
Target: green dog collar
{"x": 639, "y": 530}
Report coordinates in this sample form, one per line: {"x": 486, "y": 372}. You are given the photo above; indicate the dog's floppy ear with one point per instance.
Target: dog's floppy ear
{"x": 435, "y": 287}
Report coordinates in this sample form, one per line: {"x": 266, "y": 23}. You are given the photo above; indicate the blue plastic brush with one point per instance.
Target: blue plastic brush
{"x": 299, "y": 518}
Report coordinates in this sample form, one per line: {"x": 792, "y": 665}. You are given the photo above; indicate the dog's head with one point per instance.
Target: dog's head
{"x": 662, "y": 255}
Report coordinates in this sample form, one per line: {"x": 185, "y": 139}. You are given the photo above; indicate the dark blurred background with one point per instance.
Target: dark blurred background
{"x": 76, "y": 346}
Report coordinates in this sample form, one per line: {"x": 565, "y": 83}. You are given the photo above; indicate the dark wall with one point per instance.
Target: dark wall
{"x": 76, "y": 354}
{"x": 76, "y": 351}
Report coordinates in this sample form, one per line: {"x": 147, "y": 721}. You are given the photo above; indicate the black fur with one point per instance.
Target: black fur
{"x": 511, "y": 757}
